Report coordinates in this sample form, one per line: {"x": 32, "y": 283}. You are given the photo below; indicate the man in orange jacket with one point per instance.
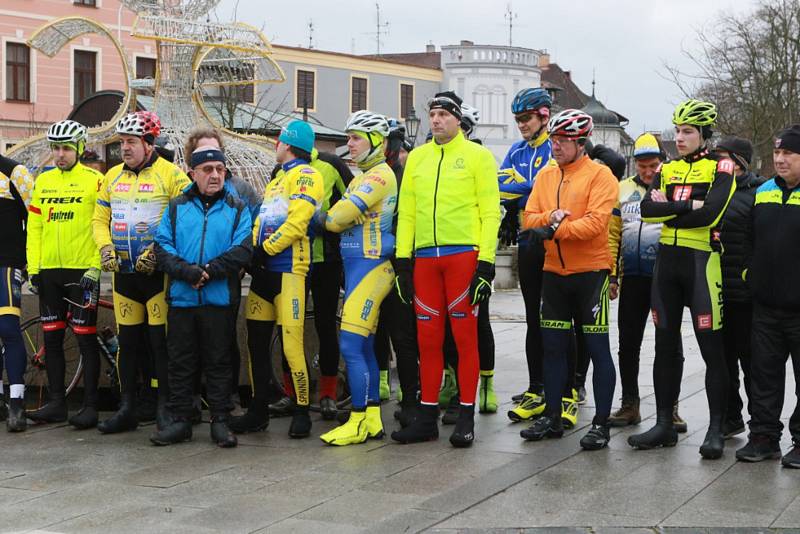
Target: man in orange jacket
{"x": 570, "y": 207}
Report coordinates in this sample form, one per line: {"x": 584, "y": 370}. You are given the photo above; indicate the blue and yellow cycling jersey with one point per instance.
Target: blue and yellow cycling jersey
{"x": 130, "y": 205}
{"x": 364, "y": 214}
{"x": 521, "y": 165}
{"x": 16, "y": 189}
{"x": 282, "y": 228}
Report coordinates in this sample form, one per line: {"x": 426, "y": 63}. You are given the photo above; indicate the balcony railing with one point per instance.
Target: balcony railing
{"x": 505, "y": 55}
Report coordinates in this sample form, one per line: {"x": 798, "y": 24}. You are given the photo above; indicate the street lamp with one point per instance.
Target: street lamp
{"x": 412, "y": 125}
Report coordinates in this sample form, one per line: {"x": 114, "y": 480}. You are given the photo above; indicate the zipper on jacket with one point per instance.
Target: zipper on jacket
{"x": 435, "y": 196}
{"x": 685, "y": 176}
{"x": 558, "y": 206}
{"x": 202, "y": 243}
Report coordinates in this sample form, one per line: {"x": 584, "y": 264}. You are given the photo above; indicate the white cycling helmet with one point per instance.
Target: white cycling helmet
{"x": 470, "y": 117}
{"x": 68, "y": 132}
{"x": 572, "y": 123}
{"x": 367, "y": 121}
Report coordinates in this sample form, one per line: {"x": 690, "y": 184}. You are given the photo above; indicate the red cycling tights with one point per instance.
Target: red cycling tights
{"x": 441, "y": 285}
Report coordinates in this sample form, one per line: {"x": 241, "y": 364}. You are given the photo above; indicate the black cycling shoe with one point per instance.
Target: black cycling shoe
{"x": 714, "y": 444}
{"x": 407, "y": 413}
{"x": 758, "y": 449}
{"x": 544, "y": 427}
{"x": 658, "y": 436}
{"x": 16, "y": 420}
{"x": 179, "y": 431}
{"x": 122, "y": 421}
{"x": 300, "y": 426}
{"x": 464, "y": 433}
{"x": 733, "y": 428}
{"x": 221, "y": 434}
{"x": 283, "y": 407}
{"x": 52, "y": 412}
{"x": 328, "y": 409}
{"x": 424, "y": 428}
{"x": 84, "y": 419}
{"x": 254, "y": 420}
{"x": 452, "y": 411}
{"x": 596, "y": 438}
{"x": 792, "y": 458}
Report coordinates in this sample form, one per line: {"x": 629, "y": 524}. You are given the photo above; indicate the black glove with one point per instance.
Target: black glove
{"x": 34, "y": 283}
{"x": 404, "y": 280}
{"x": 480, "y": 288}
{"x": 192, "y": 274}
{"x": 509, "y": 226}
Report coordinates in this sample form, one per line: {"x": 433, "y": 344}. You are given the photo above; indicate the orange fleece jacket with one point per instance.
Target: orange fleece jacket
{"x": 589, "y": 191}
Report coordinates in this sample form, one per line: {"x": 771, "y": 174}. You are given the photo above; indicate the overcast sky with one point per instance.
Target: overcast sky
{"x": 625, "y": 41}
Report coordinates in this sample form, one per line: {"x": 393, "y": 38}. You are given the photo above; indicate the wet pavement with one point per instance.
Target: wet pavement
{"x": 55, "y": 479}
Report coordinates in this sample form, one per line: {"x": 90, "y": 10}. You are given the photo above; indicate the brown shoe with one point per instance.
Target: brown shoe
{"x": 628, "y": 413}
{"x": 679, "y": 424}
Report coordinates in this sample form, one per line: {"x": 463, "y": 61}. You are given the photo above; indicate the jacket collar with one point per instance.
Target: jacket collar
{"x": 698, "y": 154}
{"x": 540, "y": 139}
{"x": 148, "y": 163}
{"x": 452, "y": 143}
{"x": 289, "y": 165}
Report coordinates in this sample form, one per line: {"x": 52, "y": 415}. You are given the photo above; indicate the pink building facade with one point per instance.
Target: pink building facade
{"x": 36, "y": 90}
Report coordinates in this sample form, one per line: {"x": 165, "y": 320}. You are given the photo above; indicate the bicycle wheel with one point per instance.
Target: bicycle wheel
{"x": 311, "y": 348}
{"x": 36, "y": 384}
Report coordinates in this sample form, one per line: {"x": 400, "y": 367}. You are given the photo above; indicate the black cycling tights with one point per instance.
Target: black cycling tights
{"x": 259, "y": 336}
{"x": 398, "y": 324}
{"x": 56, "y": 366}
{"x": 687, "y": 277}
{"x": 530, "y": 263}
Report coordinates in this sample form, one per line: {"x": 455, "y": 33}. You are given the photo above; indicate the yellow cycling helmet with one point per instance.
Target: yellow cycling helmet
{"x": 695, "y": 112}
{"x": 646, "y": 146}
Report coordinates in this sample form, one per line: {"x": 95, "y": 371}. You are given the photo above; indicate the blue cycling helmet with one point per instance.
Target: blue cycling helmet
{"x": 299, "y": 135}
{"x": 531, "y": 99}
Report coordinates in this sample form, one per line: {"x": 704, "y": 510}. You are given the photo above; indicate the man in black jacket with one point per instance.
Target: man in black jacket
{"x": 737, "y": 300}
{"x": 773, "y": 266}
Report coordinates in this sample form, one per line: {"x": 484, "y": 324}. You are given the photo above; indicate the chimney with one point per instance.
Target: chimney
{"x": 430, "y": 48}
{"x": 544, "y": 60}
{"x": 568, "y": 74}
{"x": 464, "y": 42}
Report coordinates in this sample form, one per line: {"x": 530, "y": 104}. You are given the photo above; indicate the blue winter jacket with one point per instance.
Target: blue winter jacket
{"x": 217, "y": 238}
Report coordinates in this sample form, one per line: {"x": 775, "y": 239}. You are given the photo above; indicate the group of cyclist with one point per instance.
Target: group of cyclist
{"x": 414, "y": 235}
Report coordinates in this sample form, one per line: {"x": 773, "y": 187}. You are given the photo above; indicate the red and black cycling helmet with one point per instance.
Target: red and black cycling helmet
{"x": 144, "y": 124}
{"x": 572, "y": 123}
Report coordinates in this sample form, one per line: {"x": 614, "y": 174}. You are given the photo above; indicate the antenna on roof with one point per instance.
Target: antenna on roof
{"x": 593, "y": 83}
{"x": 310, "y": 33}
{"x": 510, "y": 17}
{"x": 381, "y": 28}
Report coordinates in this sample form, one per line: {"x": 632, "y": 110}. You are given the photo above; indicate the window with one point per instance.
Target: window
{"x": 18, "y": 72}
{"x": 145, "y": 67}
{"x": 305, "y": 89}
{"x": 85, "y": 67}
{"x": 358, "y": 97}
{"x": 246, "y": 93}
{"x": 406, "y": 99}
{"x": 90, "y": 3}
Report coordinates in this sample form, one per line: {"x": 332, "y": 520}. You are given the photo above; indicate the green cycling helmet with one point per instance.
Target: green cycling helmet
{"x": 696, "y": 113}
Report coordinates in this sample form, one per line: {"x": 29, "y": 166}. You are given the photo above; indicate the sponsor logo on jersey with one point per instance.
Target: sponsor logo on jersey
{"x": 142, "y": 228}
{"x": 296, "y": 308}
{"x": 62, "y": 200}
{"x": 459, "y": 163}
{"x": 122, "y": 188}
{"x": 538, "y": 161}
{"x": 146, "y": 188}
{"x": 56, "y": 216}
{"x": 682, "y": 192}
{"x": 120, "y": 227}
{"x": 366, "y": 309}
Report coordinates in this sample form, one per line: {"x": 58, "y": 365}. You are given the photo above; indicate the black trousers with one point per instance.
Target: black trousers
{"x": 324, "y": 281}
{"x": 736, "y": 335}
{"x": 776, "y": 335}
{"x": 233, "y": 340}
{"x": 529, "y": 263}
{"x": 198, "y": 338}
{"x": 632, "y": 314}
{"x": 398, "y": 324}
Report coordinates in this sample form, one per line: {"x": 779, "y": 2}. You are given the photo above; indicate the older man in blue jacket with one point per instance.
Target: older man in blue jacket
{"x": 202, "y": 243}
